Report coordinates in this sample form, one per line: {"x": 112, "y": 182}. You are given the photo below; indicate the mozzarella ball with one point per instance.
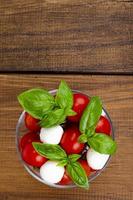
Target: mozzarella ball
{"x": 51, "y": 173}
{"x": 96, "y": 160}
{"x": 103, "y": 113}
{"x": 51, "y": 135}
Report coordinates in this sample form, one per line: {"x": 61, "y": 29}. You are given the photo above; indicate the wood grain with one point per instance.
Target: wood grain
{"x": 114, "y": 184}
{"x": 88, "y": 36}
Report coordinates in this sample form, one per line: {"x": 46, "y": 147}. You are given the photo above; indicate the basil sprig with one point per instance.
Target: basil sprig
{"x": 56, "y": 153}
{"x": 42, "y": 105}
{"x": 36, "y": 102}
{"x": 91, "y": 115}
{"x": 64, "y": 103}
{"x": 97, "y": 141}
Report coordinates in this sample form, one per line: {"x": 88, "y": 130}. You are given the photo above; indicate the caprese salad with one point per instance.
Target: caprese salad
{"x": 68, "y": 135}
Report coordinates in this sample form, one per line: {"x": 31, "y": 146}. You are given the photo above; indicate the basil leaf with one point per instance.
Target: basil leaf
{"x": 74, "y": 157}
{"x": 36, "y": 102}
{"x": 53, "y": 118}
{"x": 77, "y": 174}
{"x": 90, "y": 131}
{"x": 102, "y": 143}
{"x": 82, "y": 138}
{"x": 91, "y": 115}
{"x": 51, "y": 151}
{"x": 63, "y": 162}
{"x": 70, "y": 112}
{"x": 64, "y": 96}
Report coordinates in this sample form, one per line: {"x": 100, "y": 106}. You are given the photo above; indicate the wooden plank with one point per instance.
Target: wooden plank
{"x": 114, "y": 184}
{"x": 89, "y": 36}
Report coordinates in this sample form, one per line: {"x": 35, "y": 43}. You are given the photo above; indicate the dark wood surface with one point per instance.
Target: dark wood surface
{"x": 115, "y": 183}
{"x": 88, "y": 36}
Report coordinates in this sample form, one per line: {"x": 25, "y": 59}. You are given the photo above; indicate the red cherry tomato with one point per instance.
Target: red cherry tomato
{"x": 80, "y": 103}
{"x": 69, "y": 141}
{"x": 85, "y": 166}
{"x": 66, "y": 180}
{"x": 31, "y": 123}
{"x": 93, "y": 170}
{"x": 31, "y": 157}
{"x": 28, "y": 138}
{"x": 103, "y": 126}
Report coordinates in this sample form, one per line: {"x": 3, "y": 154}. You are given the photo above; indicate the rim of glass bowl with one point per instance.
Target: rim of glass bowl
{"x": 30, "y": 169}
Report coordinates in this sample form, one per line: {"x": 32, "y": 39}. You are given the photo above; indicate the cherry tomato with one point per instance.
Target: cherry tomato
{"x": 103, "y": 126}
{"x": 66, "y": 180}
{"x": 93, "y": 170}
{"x": 28, "y": 138}
{"x": 31, "y": 123}
{"x": 31, "y": 157}
{"x": 80, "y": 103}
{"x": 69, "y": 141}
{"x": 85, "y": 166}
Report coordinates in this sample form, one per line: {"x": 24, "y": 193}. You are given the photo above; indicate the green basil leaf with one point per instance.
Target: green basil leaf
{"x": 63, "y": 162}
{"x": 74, "y": 157}
{"x": 102, "y": 143}
{"x": 53, "y": 118}
{"x": 51, "y": 151}
{"x": 83, "y": 138}
{"x": 36, "y": 102}
{"x": 91, "y": 115}
{"x": 90, "y": 131}
{"x": 64, "y": 96}
{"x": 77, "y": 174}
{"x": 70, "y": 112}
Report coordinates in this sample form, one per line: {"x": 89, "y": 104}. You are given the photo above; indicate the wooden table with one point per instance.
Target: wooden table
{"x": 88, "y": 43}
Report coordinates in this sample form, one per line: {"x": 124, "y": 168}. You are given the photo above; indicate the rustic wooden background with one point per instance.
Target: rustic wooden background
{"x": 89, "y": 44}
{"x": 66, "y": 35}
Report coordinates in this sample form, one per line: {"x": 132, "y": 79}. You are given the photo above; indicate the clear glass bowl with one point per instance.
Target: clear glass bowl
{"x": 21, "y": 130}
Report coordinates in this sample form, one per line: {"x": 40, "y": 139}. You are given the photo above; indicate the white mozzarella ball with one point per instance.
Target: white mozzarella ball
{"x": 103, "y": 113}
{"x": 51, "y": 135}
{"x": 96, "y": 160}
{"x": 51, "y": 173}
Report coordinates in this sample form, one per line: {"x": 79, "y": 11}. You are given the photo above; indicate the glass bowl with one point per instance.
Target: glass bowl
{"x": 34, "y": 172}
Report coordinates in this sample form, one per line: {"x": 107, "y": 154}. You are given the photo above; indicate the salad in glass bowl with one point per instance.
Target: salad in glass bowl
{"x": 64, "y": 138}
